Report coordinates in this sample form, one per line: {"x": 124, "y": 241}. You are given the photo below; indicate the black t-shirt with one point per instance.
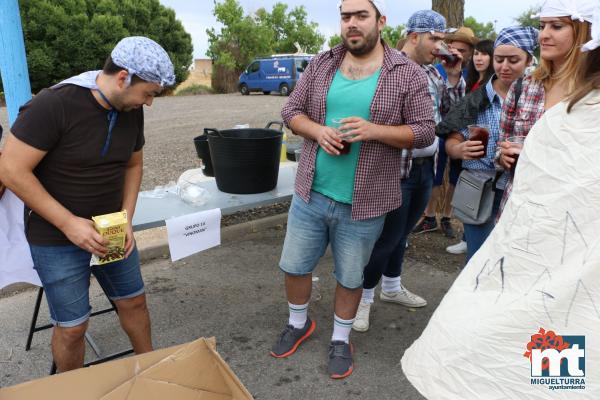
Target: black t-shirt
{"x": 71, "y": 126}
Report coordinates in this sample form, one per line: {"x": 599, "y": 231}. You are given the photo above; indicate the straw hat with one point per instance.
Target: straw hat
{"x": 463, "y": 34}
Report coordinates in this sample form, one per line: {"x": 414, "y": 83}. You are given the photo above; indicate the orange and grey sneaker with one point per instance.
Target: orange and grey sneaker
{"x": 290, "y": 339}
{"x": 340, "y": 359}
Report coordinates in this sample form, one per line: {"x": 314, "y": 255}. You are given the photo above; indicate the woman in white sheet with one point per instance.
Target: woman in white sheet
{"x": 534, "y": 285}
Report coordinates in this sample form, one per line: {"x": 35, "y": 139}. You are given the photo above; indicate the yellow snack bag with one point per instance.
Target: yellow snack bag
{"x": 113, "y": 228}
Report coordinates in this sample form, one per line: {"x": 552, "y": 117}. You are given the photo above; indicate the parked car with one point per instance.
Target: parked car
{"x": 273, "y": 74}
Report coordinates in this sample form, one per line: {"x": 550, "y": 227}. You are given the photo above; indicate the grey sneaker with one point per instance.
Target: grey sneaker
{"x": 290, "y": 339}
{"x": 404, "y": 297}
{"x": 340, "y": 360}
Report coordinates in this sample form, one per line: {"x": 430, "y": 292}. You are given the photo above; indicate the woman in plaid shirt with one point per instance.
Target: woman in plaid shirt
{"x": 562, "y": 33}
{"x": 513, "y": 51}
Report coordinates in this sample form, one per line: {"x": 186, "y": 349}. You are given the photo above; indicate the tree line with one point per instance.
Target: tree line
{"x": 66, "y": 37}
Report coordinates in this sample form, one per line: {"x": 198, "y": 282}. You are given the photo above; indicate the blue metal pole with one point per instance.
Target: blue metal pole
{"x": 13, "y": 62}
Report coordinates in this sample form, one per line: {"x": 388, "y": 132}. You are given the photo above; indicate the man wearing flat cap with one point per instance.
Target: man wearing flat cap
{"x": 357, "y": 106}
{"x": 75, "y": 152}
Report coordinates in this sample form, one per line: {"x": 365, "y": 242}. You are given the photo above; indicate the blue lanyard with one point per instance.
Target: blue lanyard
{"x": 112, "y": 120}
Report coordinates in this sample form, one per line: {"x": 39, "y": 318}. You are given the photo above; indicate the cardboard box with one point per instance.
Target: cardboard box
{"x": 193, "y": 371}
{"x": 111, "y": 227}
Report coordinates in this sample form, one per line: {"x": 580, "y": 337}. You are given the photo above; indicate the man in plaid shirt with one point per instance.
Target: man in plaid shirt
{"x": 357, "y": 106}
{"x": 425, "y": 31}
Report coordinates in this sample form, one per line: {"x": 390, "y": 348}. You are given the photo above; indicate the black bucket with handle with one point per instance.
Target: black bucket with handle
{"x": 246, "y": 161}
{"x": 203, "y": 151}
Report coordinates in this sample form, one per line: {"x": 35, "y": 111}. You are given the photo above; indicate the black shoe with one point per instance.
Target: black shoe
{"x": 340, "y": 360}
{"x": 447, "y": 228}
{"x": 290, "y": 339}
{"x": 428, "y": 224}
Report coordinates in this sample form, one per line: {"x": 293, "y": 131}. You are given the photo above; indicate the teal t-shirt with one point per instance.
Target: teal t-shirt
{"x": 334, "y": 175}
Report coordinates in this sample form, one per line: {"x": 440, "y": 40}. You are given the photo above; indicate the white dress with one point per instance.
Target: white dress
{"x": 540, "y": 268}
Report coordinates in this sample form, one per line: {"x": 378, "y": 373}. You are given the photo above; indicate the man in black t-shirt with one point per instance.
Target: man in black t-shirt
{"x": 76, "y": 152}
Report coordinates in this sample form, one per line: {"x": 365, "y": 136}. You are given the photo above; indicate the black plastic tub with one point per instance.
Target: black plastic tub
{"x": 246, "y": 161}
{"x": 203, "y": 151}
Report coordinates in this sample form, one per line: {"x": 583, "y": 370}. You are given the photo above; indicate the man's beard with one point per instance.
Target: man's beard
{"x": 370, "y": 41}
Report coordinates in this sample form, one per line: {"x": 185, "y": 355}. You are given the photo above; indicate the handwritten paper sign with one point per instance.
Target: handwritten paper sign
{"x": 193, "y": 233}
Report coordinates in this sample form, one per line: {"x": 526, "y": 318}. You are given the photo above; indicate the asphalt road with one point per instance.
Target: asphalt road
{"x": 235, "y": 292}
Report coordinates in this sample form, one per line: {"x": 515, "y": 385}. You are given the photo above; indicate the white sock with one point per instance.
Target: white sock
{"x": 298, "y": 315}
{"x": 341, "y": 329}
{"x": 391, "y": 285}
{"x": 367, "y": 296}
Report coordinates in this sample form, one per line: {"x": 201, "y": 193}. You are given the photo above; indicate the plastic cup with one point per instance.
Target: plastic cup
{"x": 337, "y": 124}
{"x": 480, "y": 133}
{"x": 443, "y": 52}
{"x": 516, "y": 143}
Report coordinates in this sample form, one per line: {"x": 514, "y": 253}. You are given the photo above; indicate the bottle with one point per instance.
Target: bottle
{"x": 283, "y": 157}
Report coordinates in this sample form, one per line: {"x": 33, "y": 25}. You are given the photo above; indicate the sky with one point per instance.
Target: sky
{"x": 197, "y": 16}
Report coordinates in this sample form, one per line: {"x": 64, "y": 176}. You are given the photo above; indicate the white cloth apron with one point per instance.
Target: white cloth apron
{"x": 540, "y": 268}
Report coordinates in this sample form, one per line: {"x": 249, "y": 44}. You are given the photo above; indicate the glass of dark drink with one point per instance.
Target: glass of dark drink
{"x": 480, "y": 133}
{"x": 516, "y": 143}
{"x": 337, "y": 124}
{"x": 443, "y": 52}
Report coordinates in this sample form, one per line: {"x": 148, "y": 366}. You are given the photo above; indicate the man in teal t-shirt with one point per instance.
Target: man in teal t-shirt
{"x": 334, "y": 174}
{"x": 357, "y": 106}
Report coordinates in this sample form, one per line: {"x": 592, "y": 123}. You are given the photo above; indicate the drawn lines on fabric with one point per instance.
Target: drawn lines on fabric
{"x": 537, "y": 215}
{"x": 581, "y": 287}
{"x": 500, "y": 264}
{"x": 568, "y": 218}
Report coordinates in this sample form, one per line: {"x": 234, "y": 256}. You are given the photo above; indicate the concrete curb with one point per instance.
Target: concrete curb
{"x": 158, "y": 247}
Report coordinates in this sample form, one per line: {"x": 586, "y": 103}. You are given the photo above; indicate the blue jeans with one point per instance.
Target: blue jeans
{"x": 388, "y": 253}
{"x": 65, "y": 274}
{"x": 311, "y": 227}
{"x": 475, "y": 235}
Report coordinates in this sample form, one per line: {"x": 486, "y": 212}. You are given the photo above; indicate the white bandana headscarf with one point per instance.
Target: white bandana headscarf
{"x": 595, "y": 42}
{"x": 581, "y": 10}
{"x": 378, "y": 4}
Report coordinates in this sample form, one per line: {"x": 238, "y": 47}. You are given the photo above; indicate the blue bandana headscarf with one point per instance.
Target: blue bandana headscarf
{"x": 426, "y": 21}
{"x": 145, "y": 58}
{"x": 522, "y": 37}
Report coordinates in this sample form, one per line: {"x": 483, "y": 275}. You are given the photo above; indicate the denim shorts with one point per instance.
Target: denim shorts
{"x": 311, "y": 227}
{"x": 65, "y": 275}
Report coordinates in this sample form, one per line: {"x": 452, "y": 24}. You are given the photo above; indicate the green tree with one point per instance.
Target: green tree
{"x": 525, "y": 18}
{"x": 392, "y": 35}
{"x": 244, "y": 37}
{"x": 334, "y": 41}
{"x": 66, "y": 37}
{"x": 290, "y": 28}
{"x": 240, "y": 40}
{"x": 481, "y": 30}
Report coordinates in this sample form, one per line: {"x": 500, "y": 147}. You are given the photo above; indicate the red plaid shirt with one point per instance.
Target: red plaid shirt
{"x": 401, "y": 98}
{"x": 518, "y": 119}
